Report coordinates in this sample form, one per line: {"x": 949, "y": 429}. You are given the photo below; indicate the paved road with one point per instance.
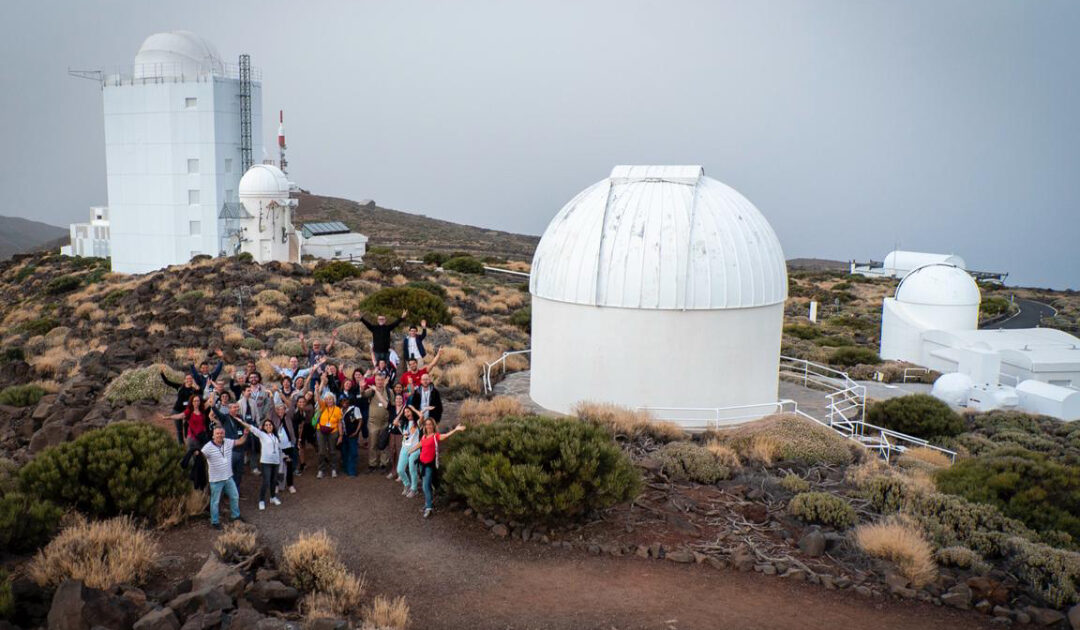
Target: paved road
{"x": 1029, "y": 316}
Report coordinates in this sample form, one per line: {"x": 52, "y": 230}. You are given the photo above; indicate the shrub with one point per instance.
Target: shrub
{"x": 522, "y": 318}
{"x": 1027, "y": 486}
{"x": 961, "y": 558}
{"x": 435, "y": 258}
{"x": 312, "y": 564}
{"x": 252, "y": 343}
{"x": 628, "y": 423}
{"x": 902, "y": 544}
{"x": 387, "y": 614}
{"x": 993, "y": 306}
{"x": 12, "y": 354}
{"x": 953, "y": 521}
{"x": 1052, "y": 573}
{"x": 137, "y": 384}
{"x": 62, "y": 284}
{"x": 113, "y": 298}
{"x": 920, "y": 415}
{"x": 238, "y": 541}
{"x": 335, "y": 271}
{"x": 464, "y": 264}
{"x": 539, "y": 469}
{"x": 478, "y": 411}
{"x": 802, "y": 331}
{"x": 100, "y": 553}
{"x": 848, "y": 356}
{"x": 794, "y": 483}
{"x": 685, "y": 461}
{"x": 191, "y": 298}
{"x": 420, "y": 304}
{"x": 245, "y": 257}
{"x": 431, "y": 287}
{"x": 925, "y": 458}
{"x": 383, "y": 260}
{"x": 724, "y": 453}
{"x": 272, "y": 297}
{"x": 26, "y": 522}
{"x": 25, "y": 273}
{"x": 174, "y": 511}
{"x": 790, "y": 438}
{"x": 822, "y": 508}
{"x": 21, "y": 395}
{"x": 124, "y": 468}
{"x": 7, "y": 600}
{"x": 38, "y": 326}
{"x": 289, "y": 348}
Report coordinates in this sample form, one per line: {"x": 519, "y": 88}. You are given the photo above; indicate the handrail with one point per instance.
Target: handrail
{"x": 914, "y": 370}
{"x": 488, "y": 385}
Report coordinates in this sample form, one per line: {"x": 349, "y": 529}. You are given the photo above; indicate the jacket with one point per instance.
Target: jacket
{"x": 380, "y": 335}
{"x": 261, "y": 406}
{"x": 201, "y": 380}
{"x": 183, "y": 394}
{"x": 435, "y": 402}
{"x": 419, "y": 346}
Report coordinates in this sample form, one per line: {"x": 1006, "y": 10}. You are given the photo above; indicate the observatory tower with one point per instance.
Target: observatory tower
{"x": 181, "y": 128}
{"x": 657, "y": 287}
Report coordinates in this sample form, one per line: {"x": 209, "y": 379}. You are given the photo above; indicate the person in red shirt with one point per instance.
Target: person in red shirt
{"x": 196, "y": 426}
{"x": 429, "y": 457}
{"x": 410, "y": 380}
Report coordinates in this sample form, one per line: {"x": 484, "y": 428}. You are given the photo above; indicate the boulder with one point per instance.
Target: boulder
{"x": 205, "y": 600}
{"x": 160, "y": 619}
{"x": 742, "y": 559}
{"x": 203, "y": 621}
{"x": 243, "y": 619}
{"x": 1074, "y": 617}
{"x": 216, "y": 573}
{"x": 681, "y": 556}
{"x": 78, "y": 607}
{"x": 49, "y": 435}
{"x": 813, "y": 543}
{"x": 271, "y": 594}
{"x": 1044, "y": 616}
{"x": 500, "y": 530}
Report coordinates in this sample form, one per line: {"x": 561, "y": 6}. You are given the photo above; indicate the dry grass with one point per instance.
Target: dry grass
{"x": 517, "y": 363}
{"x": 101, "y": 553}
{"x": 354, "y": 334}
{"x": 232, "y": 335}
{"x": 466, "y": 375}
{"x": 54, "y": 362}
{"x": 266, "y": 317}
{"x": 492, "y": 305}
{"x": 859, "y": 475}
{"x": 313, "y": 565}
{"x": 456, "y": 294}
{"x": 177, "y": 510}
{"x": 89, "y": 311}
{"x": 452, "y": 355}
{"x": 57, "y": 336}
{"x": 372, "y": 275}
{"x": 50, "y": 387}
{"x": 724, "y": 453}
{"x": 901, "y": 543}
{"x": 157, "y": 328}
{"x": 628, "y": 422}
{"x": 332, "y": 310}
{"x": 479, "y": 411}
{"x": 236, "y": 542}
{"x": 763, "y": 449}
{"x": 928, "y": 456}
{"x": 399, "y": 280}
{"x": 386, "y": 614}
{"x": 182, "y": 355}
{"x": 272, "y": 297}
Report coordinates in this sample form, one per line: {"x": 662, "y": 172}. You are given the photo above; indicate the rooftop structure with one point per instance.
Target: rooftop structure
{"x": 899, "y": 263}
{"x": 333, "y": 240}
{"x": 264, "y": 229}
{"x": 91, "y": 239}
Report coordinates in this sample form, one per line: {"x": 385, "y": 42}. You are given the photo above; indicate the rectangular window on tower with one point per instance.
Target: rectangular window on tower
{"x": 191, "y": 102}
{"x": 192, "y": 166}
{"x": 193, "y": 197}
{"x": 228, "y": 165}
{"x": 194, "y": 228}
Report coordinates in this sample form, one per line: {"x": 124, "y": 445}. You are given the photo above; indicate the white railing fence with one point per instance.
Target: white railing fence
{"x": 501, "y": 364}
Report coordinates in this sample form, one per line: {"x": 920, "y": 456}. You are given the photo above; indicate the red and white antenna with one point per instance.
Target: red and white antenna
{"x": 283, "y": 164}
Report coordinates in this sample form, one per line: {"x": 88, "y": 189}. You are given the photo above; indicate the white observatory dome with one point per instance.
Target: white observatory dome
{"x": 264, "y": 181}
{"x": 175, "y": 54}
{"x": 953, "y": 388}
{"x": 938, "y": 285}
{"x": 660, "y": 237}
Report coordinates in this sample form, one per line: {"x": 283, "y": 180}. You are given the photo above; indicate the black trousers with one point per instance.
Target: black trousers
{"x": 269, "y": 480}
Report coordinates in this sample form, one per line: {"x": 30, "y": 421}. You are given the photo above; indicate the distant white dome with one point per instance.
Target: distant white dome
{"x": 938, "y": 285}
{"x": 953, "y": 388}
{"x": 174, "y": 54}
{"x": 906, "y": 261}
{"x": 264, "y": 181}
{"x": 660, "y": 237}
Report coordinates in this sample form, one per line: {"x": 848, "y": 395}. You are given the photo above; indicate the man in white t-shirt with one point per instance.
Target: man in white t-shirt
{"x": 218, "y": 454}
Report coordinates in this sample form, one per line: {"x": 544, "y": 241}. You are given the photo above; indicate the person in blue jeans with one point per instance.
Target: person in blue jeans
{"x": 429, "y": 458}
{"x": 350, "y": 448}
{"x": 408, "y": 467}
{"x": 218, "y": 454}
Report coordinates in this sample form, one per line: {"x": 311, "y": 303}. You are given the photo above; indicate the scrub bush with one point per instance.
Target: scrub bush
{"x": 538, "y": 469}
{"x": 21, "y": 395}
{"x": 38, "y": 326}
{"x": 62, "y": 284}
{"x": 686, "y": 461}
{"x": 522, "y": 318}
{"x": 335, "y": 271}
{"x": 100, "y": 553}
{"x": 1052, "y": 573}
{"x": 435, "y": 258}
{"x": 124, "y": 468}
{"x": 802, "y": 331}
{"x": 629, "y": 424}
{"x": 954, "y": 521}
{"x": 420, "y": 304}
{"x": 26, "y": 522}
{"x": 886, "y": 493}
{"x": 113, "y": 298}
{"x": 475, "y": 411}
{"x": 1024, "y": 485}
{"x": 464, "y": 264}
{"x": 252, "y": 343}
{"x": 786, "y": 437}
{"x": 961, "y": 558}
{"x": 920, "y": 415}
{"x": 848, "y": 356}
{"x": 794, "y": 483}
{"x": 236, "y": 543}
{"x": 902, "y": 544}
{"x": 312, "y": 564}
{"x": 13, "y": 353}
{"x": 137, "y": 384}
{"x": 993, "y": 306}
{"x": 823, "y": 508}
{"x": 383, "y": 260}
{"x": 431, "y": 287}
{"x": 7, "y": 600}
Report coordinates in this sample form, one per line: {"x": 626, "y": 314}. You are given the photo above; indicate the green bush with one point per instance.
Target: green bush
{"x": 289, "y": 347}
{"x": 848, "y": 356}
{"x": 124, "y": 468}
{"x": 794, "y": 439}
{"x": 113, "y": 298}
{"x": 7, "y": 600}
{"x": 886, "y": 493}
{"x": 25, "y": 273}
{"x": 26, "y": 522}
{"x": 245, "y": 257}
{"x": 822, "y": 508}
{"x": 685, "y": 461}
{"x": 1027, "y": 486}
{"x": 431, "y": 287}
{"x": 21, "y": 395}
{"x": 335, "y": 271}
{"x": 802, "y": 331}
{"x": 62, "y": 284}
{"x": 951, "y": 521}
{"x": 38, "y": 326}
{"x": 961, "y": 558}
{"x": 993, "y": 306}
{"x": 251, "y": 343}
{"x": 920, "y": 415}
{"x": 420, "y": 304}
{"x": 137, "y": 384}
{"x": 464, "y": 264}
{"x": 435, "y": 258}
{"x": 522, "y": 318}
{"x": 191, "y": 298}
{"x": 794, "y": 483}
{"x": 1052, "y": 573}
{"x": 539, "y": 470}
{"x": 13, "y": 353}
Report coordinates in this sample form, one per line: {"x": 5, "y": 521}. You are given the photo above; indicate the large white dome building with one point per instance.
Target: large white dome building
{"x": 934, "y": 296}
{"x": 657, "y": 287}
{"x": 265, "y": 227}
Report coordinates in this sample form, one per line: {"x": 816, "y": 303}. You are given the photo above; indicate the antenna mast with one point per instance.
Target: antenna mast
{"x": 245, "y": 113}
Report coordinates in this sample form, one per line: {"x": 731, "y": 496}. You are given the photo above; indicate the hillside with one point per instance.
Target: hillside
{"x": 413, "y": 233}
{"x": 18, "y": 235}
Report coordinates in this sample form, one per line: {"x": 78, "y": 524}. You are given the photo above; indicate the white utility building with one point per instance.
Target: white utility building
{"x": 658, "y": 287}
{"x": 933, "y": 321}
{"x": 181, "y": 126}
{"x": 263, "y": 225}
{"x": 898, "y": 263}
{"x": 333, "y": 240}
{"x": 90, "y": 240}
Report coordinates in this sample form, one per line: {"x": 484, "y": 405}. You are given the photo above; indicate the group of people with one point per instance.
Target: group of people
{"x": 227, "y": 424}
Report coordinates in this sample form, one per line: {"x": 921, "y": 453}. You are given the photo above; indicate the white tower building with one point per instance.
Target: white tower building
{"x": 173, "y": 150}
{"x": 265, "y": 226}
{"x": 658, "y": 287}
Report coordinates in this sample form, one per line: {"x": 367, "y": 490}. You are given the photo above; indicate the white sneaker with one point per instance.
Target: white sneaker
{"x": 292, "y": 489}
{"x": 410, "y": 494}
{"x": 427, "y": 513}
{"x": 275, "y": 500}
{"x": 318, "y": 475}
{"x": 333, "y": 474}
{"x": 262, "y": 505}
{"x": 390, "y": 476}
{"x": 405, "y": 491}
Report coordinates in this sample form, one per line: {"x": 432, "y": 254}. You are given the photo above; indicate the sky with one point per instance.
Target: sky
{"x": 855, "y": 126}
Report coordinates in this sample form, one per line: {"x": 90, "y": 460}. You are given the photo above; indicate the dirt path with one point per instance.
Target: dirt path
{"x": 455, "y": 575}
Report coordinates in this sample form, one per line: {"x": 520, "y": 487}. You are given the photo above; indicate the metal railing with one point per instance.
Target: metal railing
{"x": 501, "y": 362}
{"x": 716, "y": 417}
{"x": 908, "y": 372}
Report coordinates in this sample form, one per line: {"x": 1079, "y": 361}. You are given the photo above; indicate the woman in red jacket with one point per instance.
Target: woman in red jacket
{"x": 429, "y": 457}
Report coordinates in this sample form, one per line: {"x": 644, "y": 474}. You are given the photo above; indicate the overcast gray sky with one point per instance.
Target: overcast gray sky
{"x": 855, "y": 126}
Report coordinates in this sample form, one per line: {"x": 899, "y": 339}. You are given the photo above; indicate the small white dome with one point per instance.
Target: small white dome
{"x": 264, "y": 181}
{"x": 174, "y": 54}
{"x": 939, "y": 285}
{"x": 953, "y": 388}
{"x": 660, "y": 237}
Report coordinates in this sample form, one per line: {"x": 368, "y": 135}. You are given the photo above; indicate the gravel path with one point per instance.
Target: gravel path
{"x": 455, "y": 575}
